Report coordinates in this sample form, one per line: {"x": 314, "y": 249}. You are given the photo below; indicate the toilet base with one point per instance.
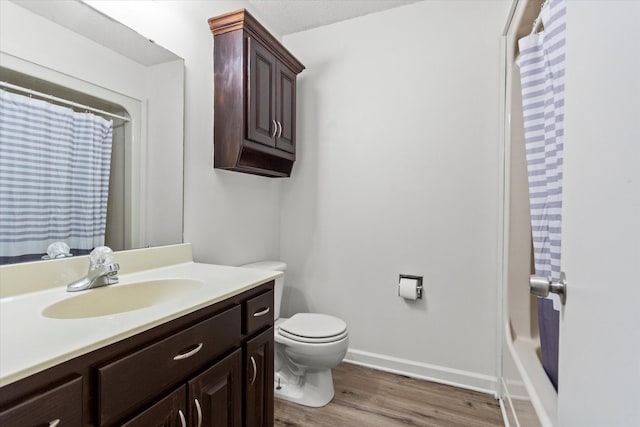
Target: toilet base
{"x": 315, "y": 389}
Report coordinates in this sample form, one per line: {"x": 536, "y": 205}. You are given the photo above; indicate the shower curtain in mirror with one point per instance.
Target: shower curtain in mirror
{"x": 542, "y": 67}
{"x": 54, "y": 177}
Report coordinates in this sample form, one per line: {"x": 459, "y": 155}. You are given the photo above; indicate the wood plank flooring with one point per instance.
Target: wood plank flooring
{"x": 370, "y": 398}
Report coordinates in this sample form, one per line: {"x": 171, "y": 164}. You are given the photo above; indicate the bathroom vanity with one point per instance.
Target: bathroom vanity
{"x": 204, "y": 358}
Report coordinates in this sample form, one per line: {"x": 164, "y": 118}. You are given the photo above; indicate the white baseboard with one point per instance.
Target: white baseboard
{"x": 515, "y": 389}
{"x": 506, "y": 405}
{"x": 503, "y": 411}
{"x": 440, "y": 374}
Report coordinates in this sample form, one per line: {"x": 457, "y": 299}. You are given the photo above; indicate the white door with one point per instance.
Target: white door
{"x": 599, "y": 371}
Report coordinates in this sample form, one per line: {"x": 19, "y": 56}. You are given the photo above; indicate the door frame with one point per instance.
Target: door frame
{"x": 536, "y": 385}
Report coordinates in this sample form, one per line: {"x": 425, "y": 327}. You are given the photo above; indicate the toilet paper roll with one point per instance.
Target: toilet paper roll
{"x": 408, "y": 288}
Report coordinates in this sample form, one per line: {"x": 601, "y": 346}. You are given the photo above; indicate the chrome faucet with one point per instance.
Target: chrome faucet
{"x": 102, "y": 271}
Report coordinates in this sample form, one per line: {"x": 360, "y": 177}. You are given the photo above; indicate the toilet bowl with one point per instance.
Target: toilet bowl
{"x": 307, "y": 347}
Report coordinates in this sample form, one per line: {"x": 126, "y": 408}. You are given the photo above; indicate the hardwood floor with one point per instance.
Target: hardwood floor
{"x": 370, "y": 398}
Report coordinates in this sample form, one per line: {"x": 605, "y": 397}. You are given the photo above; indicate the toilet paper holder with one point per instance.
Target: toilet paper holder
{"x": 418, "y": 280}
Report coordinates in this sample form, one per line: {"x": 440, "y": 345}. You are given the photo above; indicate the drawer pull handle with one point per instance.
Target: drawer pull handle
{"x": 183, "y": 421}
{"x": 54, "y": 423}
{"x": 275, "y": 128}
{"x": 199, "y": 410}
{"x": 255, "y": 370}
{"x": 186, "y": 355}
{"x": 261, "y": 313}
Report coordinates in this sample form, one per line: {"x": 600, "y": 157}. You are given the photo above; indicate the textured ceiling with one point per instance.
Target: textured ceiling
{"x": 291, "y": 16}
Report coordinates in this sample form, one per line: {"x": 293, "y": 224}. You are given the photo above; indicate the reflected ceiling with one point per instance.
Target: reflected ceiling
{"x": 291, "y": 16}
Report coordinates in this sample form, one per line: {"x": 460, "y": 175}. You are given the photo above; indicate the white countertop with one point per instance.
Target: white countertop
{"x": 31, "y": 342}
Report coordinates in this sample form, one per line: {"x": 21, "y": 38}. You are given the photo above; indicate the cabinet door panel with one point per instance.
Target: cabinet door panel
{"x": 286, "y": 108}
{"x": 261, "y": 101}
{"x": 62, "y": 403}
{"x": 215, "y": 395}
{"x": 170, "y": 411}
{"x": 259, "y": 380}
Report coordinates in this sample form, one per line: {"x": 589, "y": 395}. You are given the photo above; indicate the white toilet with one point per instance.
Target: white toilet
{"x": 307, "y": 347}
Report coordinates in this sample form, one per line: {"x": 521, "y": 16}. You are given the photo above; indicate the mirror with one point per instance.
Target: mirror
{"x": 69, "y": 50}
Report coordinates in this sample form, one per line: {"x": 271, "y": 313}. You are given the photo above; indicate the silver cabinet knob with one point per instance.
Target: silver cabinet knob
{"x": 275, "y": 128}
{"x": 279, "y": 129}
{"x": 541, "y": 286}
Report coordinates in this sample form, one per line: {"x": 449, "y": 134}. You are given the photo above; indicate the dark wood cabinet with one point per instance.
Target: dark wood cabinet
{"x": 286, "y": 108}
{"x": 261, "y": 99}
{"x": 211, "y": 399}
{"x": 170, "y": 411}
{"x": 191, "y": 371}
{"x": 215, "y": 396}
{"x": 50, "y": 406}
{"x": 254, "y": 97}
{"x": 136, "y": 378}
{"x": 259, "y": 380}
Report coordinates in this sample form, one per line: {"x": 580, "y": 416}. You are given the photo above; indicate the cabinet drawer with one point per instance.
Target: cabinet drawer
{"x": 62, "y": 403}
{"x": 258, "y": 312}
{"x": 139, "y": 377}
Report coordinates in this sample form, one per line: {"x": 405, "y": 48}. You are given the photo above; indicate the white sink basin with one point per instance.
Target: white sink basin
{"x": 114, "y": 299}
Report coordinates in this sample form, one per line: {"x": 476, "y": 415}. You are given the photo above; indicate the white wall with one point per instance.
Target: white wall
{"x": 230, "y": 218}
{"x": 397, "y": 172}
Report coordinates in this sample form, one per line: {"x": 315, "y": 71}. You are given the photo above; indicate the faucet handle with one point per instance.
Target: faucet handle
{"x": 102, "y": 255}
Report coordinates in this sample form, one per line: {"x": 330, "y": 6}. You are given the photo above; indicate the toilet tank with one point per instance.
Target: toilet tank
{"x": 279, "y": 282}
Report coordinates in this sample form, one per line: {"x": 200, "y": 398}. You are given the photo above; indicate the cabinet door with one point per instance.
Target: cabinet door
{"x": 170, "y": 411}
{"x": 215, "y": 396}
{"x": 261, "y": 99}
{"x": 286, "y": 108}
{"x": 259, "y": 380}
{"x": 61, "y": 405}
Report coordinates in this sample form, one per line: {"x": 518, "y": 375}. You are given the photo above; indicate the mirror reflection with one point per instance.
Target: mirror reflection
{"x": 63, "y": 168}
{"x": 80, "y": 157}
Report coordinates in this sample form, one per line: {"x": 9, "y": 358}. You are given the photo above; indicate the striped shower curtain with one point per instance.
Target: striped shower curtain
{"x": 54, "y": 177}
{"x": 542, "y": 65}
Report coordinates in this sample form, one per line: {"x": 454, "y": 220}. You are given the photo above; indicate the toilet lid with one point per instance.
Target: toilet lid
{"x": 313, "y": 327}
